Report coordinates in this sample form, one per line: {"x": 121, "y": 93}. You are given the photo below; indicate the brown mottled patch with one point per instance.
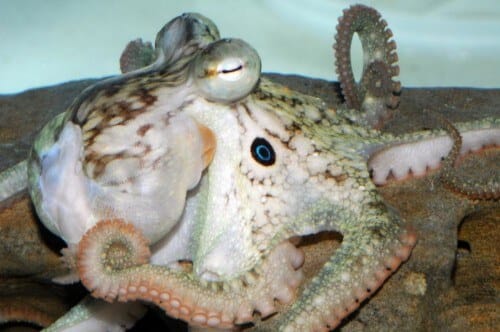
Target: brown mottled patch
{"x": 90, "y": 156}
{"x": 99, "y": 162}
{"x": 90, "y": 138}
{"x": 123, "y": 105}
{"x": 144, "y": 96}
{"x": 209, "y": 72}
{"x": 261, "y": 94}
{"x": 144, "y": 129}
{"x": 123, "y": 109}
{"x": 146, "y": 148}
{"x": 98, "y": 169}
{"x": 149, "y": 99}
{"x": 340, "y": 179}
{"x": 156, "y": 163}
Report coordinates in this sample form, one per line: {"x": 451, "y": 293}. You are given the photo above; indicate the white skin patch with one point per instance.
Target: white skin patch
{"x": 302, "y": 145}
{"x": 150, "y": 195}
{"x": 64, "y": 188}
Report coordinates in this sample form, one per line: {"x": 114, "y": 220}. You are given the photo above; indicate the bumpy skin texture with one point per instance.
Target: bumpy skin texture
{"x": 467, "y": 188}
{"x": 377, "y": 92}
{"x": 245, "y": 164}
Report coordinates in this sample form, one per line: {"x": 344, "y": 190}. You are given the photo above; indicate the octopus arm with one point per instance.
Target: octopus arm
{"x": 13, "y": 180}
{"x": 374, "y": 244}
{"x": 417, "y": 158}
{"x": 113, "y": 264}
{"x": 377, "y": 91}
{"x": 19, "y": 310}
{"x": 96, "y": 315}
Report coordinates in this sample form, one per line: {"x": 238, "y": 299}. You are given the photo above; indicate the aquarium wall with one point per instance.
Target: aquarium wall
{"x": 440, "y": 43}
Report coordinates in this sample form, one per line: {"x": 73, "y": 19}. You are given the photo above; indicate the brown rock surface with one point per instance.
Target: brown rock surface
{"x": 451, "y": 281}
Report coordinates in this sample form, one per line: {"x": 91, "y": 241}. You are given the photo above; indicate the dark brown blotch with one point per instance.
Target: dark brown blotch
{"x": 144, "y": 129}
{"x": 112, "y": 89}
{"x": 339, "y": 179}
{"x": 144, "y": 96}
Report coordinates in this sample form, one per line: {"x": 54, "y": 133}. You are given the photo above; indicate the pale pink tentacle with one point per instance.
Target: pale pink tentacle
{"x": 112, "y": 264}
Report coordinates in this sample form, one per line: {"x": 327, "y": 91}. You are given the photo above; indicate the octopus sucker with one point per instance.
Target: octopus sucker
{"x": 376, "y": 84}
{"x": 112, "y": 264}
{"x": 387, "y": 267}
{"x": 114, "y": 245}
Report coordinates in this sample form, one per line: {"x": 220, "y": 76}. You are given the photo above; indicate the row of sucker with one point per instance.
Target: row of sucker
{"x": 331, "y": 319}
{"x": 380, "y": 58}
{"x": 113, "y": 264}
{"x": 330, "y": 315}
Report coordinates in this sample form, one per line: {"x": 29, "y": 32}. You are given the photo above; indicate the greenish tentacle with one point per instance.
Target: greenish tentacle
{"x": 370, "y": 252}
{"x": 13, "y": 180}
{"x": 44, "y": 141}
{"x": 377, "y": 90}
{"x": 97, "y": 315}
{"x": 467, "y": 187}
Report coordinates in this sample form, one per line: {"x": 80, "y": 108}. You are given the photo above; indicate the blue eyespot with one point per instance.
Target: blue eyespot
{"x": 263, "y": 152}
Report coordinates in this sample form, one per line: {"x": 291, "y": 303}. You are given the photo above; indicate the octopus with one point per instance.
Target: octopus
{"x": 187, "y": 182}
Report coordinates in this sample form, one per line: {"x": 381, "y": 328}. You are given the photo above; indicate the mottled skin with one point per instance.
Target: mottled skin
{"x": 316, "y": 180}
{"x": 470, "y": 189}
{"x": 377, "y": 92}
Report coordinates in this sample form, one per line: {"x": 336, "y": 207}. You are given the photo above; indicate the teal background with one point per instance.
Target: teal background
{"x": 440, "y": 42}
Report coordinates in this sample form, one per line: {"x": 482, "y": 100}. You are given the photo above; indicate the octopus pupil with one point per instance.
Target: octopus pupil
{"x": 232, "y": 70}
{"x": 263, "y": 152}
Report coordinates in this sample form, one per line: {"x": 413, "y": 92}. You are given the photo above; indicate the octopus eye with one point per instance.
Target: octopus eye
{"x": 263, "y": 152}
{"x": 227, "y": 70}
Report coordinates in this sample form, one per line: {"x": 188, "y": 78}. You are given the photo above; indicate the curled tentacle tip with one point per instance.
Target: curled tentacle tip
{"x": 377, "y": 79}
{"x": 111, "y": 245}
{"x": 377, "y": 90}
